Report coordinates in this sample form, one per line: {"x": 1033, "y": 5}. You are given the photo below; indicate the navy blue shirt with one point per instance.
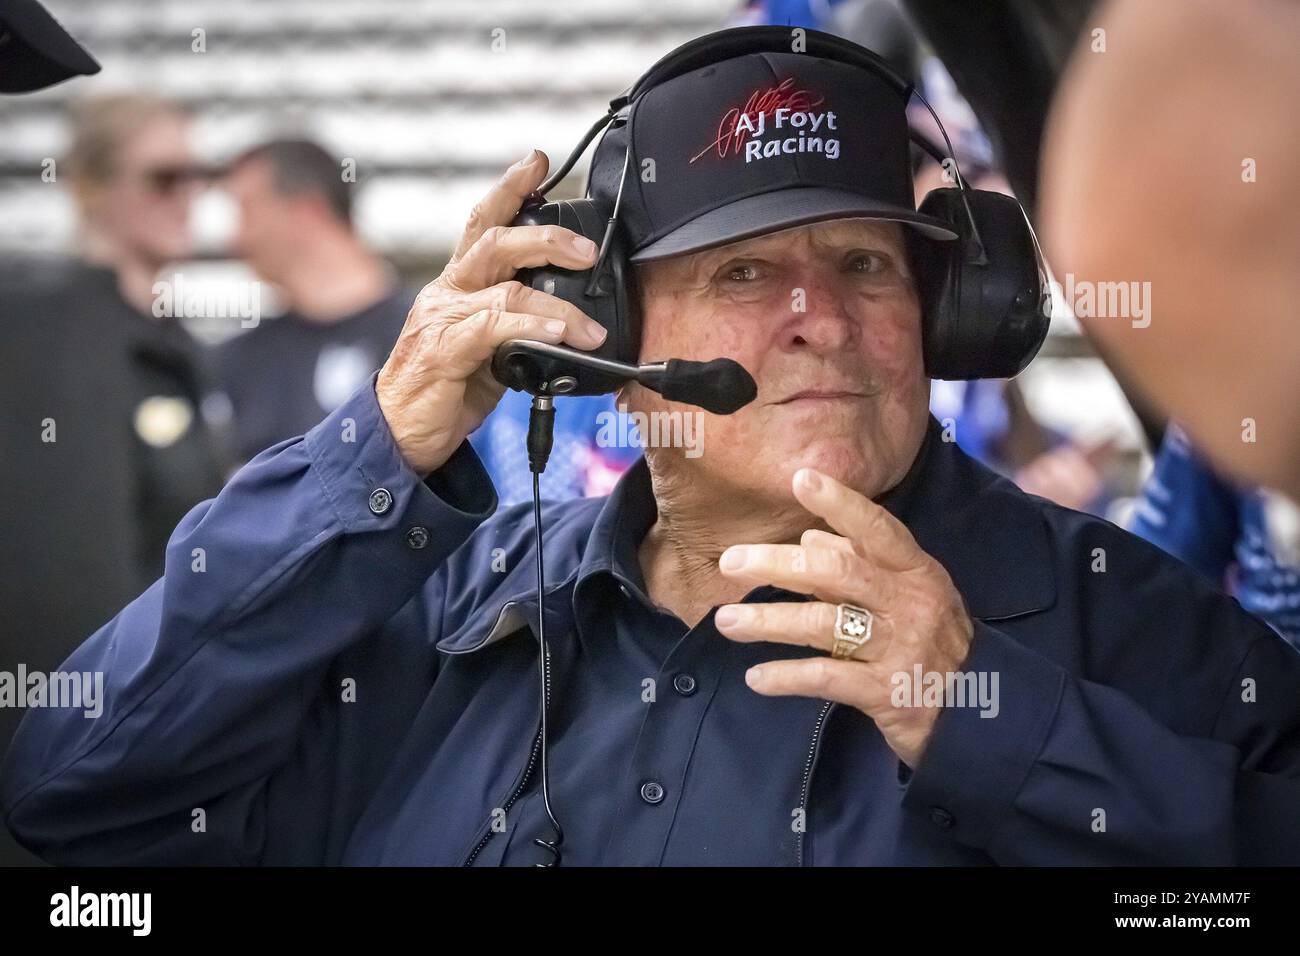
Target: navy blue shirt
{"x": 644, "y": 695}
{"x": 653, "y": 737}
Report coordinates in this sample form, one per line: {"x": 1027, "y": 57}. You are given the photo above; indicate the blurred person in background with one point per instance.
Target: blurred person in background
{"x": 1209, "y": 221}
{"x": 133, "y": 179}
{"x": 991, "y": 422}
{"x": 103, "y": 386}
{"x": 1220, "y": 528}
{"x": 345, "y": 305}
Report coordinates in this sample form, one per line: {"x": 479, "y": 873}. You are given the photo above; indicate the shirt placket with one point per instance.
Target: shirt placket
{"x": 656, "y": 778}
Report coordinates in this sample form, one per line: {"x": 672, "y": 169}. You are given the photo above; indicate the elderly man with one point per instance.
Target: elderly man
{"x": 338, "y": 665}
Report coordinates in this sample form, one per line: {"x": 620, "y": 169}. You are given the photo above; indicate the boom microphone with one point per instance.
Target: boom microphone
{"x": 721, "y": 386}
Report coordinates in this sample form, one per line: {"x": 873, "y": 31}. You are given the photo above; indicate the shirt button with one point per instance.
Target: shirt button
{"x": 684, "y": 684}
{"x": 380, "y": 501}
{"x": 652, "y": 792}
{"x": 417, "y": 538}
{"x": 622, "y": 588}
{"x": 941, "y": 818}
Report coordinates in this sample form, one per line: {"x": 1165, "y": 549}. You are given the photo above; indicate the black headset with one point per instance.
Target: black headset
{"x": 984, "y": 297}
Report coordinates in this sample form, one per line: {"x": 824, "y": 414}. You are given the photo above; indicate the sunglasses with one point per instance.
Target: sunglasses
{"x": 166, "y": 180}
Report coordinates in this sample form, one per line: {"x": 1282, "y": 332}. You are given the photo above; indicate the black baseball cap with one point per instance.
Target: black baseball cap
{"x": 35, "y": 50}
{"x": 754, "y": 144}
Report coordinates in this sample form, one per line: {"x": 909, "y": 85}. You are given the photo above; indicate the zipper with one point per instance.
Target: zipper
{"x": 528, "y": 772}
{"x": 813, "y": 748}
{"x": 523, "y": 781}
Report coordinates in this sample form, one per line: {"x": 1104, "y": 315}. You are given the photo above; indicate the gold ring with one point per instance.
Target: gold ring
{"x": 852, "y": 630}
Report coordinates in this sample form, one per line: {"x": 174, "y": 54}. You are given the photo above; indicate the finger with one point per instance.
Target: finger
{"x": 501, "y": 204}
{"x": 513, "y": 296}
{"x": 474, "y": 339}
{"x": 832, "y": 574}
{"x": 503, "y": 250}
{"x": 878, "y": 535}
{"x": 815, "y": 537}
{"x": 807, "y": 624}
{"x": 845, "y": 682}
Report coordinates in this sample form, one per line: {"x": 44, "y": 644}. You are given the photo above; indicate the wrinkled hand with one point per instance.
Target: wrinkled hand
{"x": 437, "y": 386}
{"x": 874, "y": 563}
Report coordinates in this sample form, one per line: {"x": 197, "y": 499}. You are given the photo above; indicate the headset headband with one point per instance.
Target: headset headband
{"x": 741, "y": 41}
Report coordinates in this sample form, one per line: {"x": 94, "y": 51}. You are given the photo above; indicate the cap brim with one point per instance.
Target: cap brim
{"x": 782, "y": 209}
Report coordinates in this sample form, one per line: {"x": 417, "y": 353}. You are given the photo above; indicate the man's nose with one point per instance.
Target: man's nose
{"x": 819, "y": 319}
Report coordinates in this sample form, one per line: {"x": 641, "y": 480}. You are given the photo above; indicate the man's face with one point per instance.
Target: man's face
{"x": 267, "y": 219}
{"x": 826, "y": 318}
{"x": 146, "y": 204}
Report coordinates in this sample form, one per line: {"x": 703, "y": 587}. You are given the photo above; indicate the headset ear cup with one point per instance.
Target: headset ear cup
{"x": 613, "y": 303}
{"x": 932, "y": 264}
{"x": 981, "y": 320}
{"x": 622, "y": 314}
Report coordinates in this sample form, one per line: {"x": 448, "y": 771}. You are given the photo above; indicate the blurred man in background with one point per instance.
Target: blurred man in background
{"x": 344, "y": 303}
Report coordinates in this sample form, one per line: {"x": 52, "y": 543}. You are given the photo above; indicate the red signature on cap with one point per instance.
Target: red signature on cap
{"x": 781, "y": 96}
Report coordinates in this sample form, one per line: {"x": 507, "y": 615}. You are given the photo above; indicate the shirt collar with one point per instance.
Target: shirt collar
{"x": 991, "y": 538}
{"x": 614, "y": 545}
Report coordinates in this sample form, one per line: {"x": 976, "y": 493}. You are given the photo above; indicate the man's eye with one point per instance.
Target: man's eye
{"x": 742, "y": 272}
{"x": 866, "y": 263}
